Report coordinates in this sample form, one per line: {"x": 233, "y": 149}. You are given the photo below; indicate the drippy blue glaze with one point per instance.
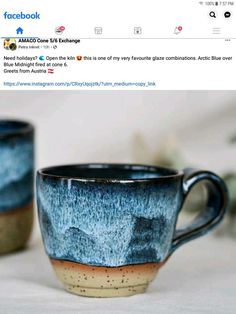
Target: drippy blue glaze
{"x": 108, "y": 224}
{"x": 16, "y": 167}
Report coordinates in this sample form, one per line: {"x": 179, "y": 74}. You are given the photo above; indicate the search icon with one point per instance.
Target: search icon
{"x": 212, "y": 14}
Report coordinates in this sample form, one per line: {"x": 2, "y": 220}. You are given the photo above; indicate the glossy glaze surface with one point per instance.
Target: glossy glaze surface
{"x": 16, "y": 184}
{"x": 16, "y": 166}
{"x": 108, "y": 224}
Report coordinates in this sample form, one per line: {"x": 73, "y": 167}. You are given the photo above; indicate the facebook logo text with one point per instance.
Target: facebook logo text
{"x": 21, "y": 16}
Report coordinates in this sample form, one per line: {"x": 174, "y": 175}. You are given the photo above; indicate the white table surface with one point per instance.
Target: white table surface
{"x": 199, "y": 278}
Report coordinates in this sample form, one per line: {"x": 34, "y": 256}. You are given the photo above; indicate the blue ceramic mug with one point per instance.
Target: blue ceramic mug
{"x": 16, "y": 183}
{"x": 108, "y": 228}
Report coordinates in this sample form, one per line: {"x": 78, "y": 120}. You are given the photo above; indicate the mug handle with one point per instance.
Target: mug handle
{"x": 217, "y": 201}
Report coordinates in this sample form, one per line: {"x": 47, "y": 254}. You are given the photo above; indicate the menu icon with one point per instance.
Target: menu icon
{"x": 216, "y": 30}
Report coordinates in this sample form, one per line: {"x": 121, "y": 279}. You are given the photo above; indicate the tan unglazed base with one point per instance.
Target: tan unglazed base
{"x": 105, "y": 282}
{"x": 15, "y": 228}
{"x": 106, "y": 292}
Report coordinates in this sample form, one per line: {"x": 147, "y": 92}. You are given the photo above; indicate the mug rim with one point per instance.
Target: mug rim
{"x": 45, "y": 172}
{"x": 23, "y": 127}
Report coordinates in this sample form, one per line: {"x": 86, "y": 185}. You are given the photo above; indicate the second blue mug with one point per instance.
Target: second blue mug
{"x": 16, "y": 183}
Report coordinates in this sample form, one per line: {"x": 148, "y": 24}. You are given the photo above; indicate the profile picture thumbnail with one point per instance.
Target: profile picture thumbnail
{"x": 10, "y": 44}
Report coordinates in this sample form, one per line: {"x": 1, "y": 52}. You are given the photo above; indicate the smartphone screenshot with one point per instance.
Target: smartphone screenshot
{"x": 117, "y": 157}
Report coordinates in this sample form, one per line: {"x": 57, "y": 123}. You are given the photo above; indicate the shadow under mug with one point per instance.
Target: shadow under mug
{"x": 16, "y": 183}
{"x": 108, "y": 228}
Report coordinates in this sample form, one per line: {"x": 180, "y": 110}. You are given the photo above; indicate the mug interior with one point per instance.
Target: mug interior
{"x": 109, "y": 172}
{"x": 8, "y": 127}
